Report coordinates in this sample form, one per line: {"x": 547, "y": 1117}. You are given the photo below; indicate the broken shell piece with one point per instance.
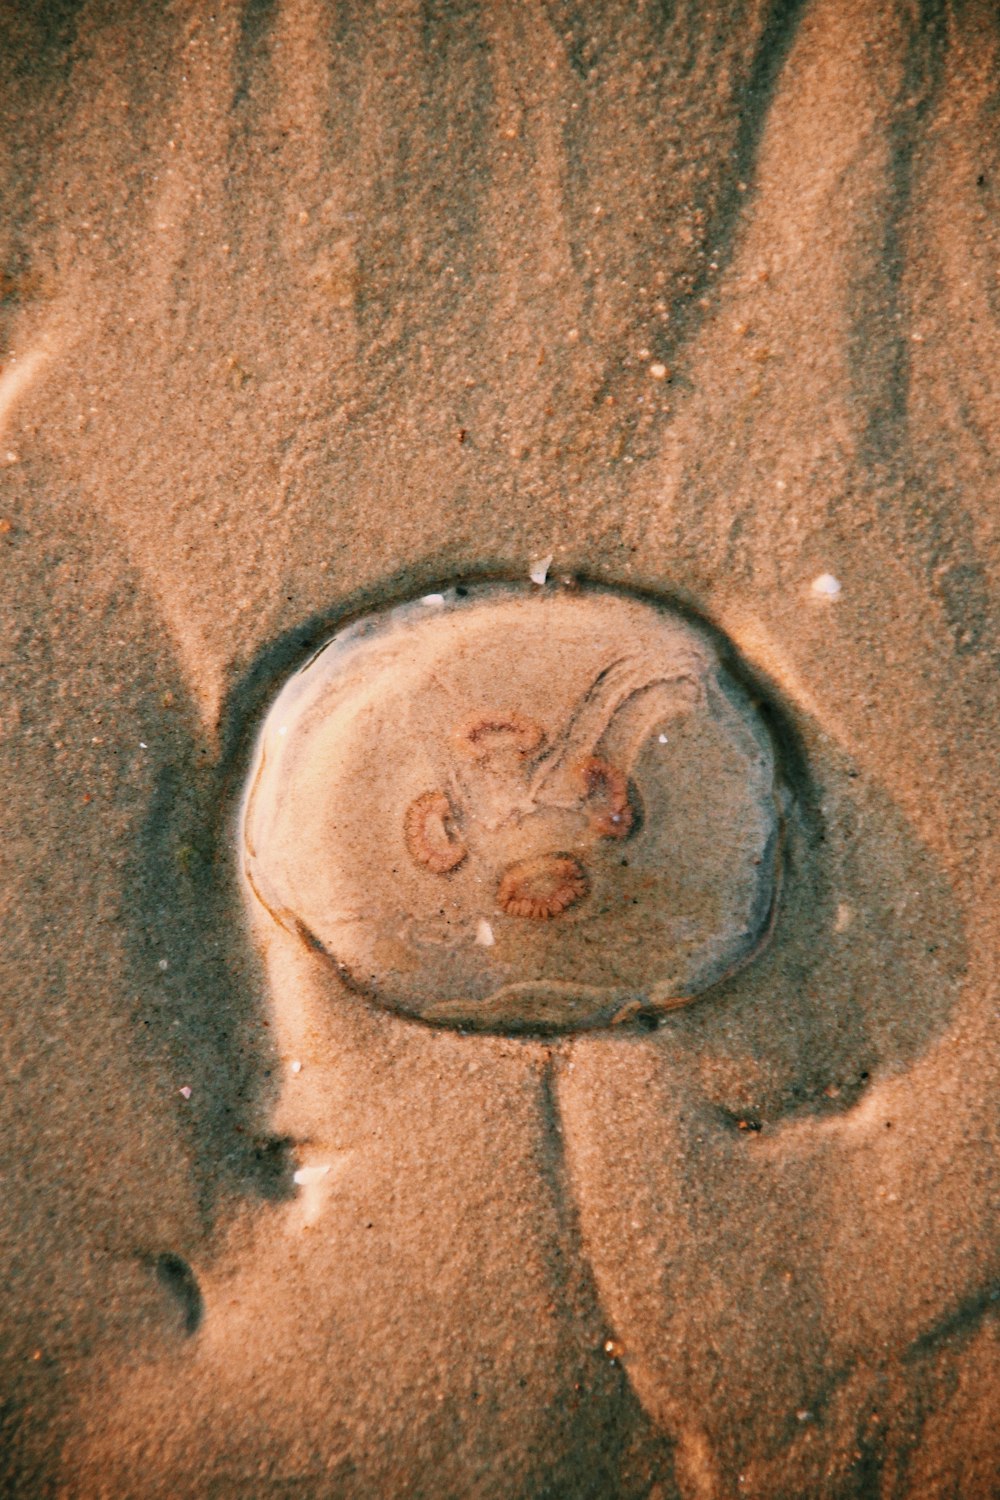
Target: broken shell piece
{"x": 826, "y": 586}
{"x": 406, "y": 816}
{"x": 308, "y": 1176}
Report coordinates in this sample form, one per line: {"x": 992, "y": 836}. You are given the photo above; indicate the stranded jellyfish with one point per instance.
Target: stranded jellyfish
{"x": 518, "y": 809}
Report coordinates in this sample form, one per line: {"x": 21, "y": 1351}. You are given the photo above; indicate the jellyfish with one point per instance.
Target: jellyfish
{"x": 577, "y": 769}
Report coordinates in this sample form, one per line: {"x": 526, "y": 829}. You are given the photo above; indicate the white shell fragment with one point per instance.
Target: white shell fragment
{"x": 826, "y": 586}
{"x": 539, "y": 570}
{"x": 306, "y": 1176}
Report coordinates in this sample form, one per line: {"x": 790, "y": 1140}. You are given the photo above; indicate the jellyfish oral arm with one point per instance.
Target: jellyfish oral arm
{"x": 620, "y": 709}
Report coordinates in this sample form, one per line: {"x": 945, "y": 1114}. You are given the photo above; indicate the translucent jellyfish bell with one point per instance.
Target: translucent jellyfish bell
{"x": 516, "y": 809}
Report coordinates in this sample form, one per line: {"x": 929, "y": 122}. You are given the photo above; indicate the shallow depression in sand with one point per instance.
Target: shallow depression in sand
{"x": 518, "y": 808}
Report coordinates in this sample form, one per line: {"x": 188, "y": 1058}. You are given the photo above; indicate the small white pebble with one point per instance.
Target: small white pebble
{"x": 484, "y": 933}
{"x": 658, "y": 371}
{"x": 185, "y": 1092}
{"x": 826, "y": 586}
{"x": 143, "y": 745}
{"x": 296, "y": 1066}
{"x": 803, "y": 1415}
{"x": 433, "y": 601}
{"x": 163, "y": 965}
{"x": 662, "y": 739}
{"x": 538, "y": 572}
{"x": 306, "y": 1176}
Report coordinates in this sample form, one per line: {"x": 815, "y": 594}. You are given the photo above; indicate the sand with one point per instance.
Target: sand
{"x": 307, "y": 309}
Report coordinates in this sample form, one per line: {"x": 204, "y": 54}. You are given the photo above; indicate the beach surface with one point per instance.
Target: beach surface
{"x": 308, "y": 309}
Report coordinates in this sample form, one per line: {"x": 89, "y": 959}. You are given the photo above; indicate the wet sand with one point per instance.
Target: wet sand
{"x": 307, "y": 309}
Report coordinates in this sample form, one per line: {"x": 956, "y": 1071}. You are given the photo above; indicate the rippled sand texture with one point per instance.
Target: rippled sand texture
{"x": 305, "y": 308}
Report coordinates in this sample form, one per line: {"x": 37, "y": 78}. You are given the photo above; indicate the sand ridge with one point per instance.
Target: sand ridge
{"x": 306, "y": 309}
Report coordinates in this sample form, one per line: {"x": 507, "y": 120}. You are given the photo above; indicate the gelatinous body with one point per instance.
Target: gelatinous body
{"x": 573, "y": 772}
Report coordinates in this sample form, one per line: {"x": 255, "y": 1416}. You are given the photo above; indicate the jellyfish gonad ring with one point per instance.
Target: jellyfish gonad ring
{"x": 574, "y": 774}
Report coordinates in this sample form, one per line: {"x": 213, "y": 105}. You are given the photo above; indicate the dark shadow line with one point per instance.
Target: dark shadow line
{"x": 754, "y": 107}
{"x": 577, "y": 1287}
{"x": 960, "y": 1325}
{"x": 256, "y": 21}
{"x": 179, "y": 1281}
{"x": 886, "y": 432}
